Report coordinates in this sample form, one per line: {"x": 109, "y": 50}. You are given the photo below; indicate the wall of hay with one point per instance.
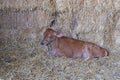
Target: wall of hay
{"x": 22, "y": 22}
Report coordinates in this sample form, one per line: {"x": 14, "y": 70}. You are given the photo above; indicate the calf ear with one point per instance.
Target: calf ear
{"x": 58, "y": 34}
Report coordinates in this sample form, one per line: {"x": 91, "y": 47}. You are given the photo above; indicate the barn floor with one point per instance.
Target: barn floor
{"x": 40, "y": 66}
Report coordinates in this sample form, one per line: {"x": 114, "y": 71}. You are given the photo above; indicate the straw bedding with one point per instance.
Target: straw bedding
{"x": 22, "y": 23}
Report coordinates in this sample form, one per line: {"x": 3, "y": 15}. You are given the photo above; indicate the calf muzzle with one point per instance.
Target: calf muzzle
{"x": 41, "y": 43}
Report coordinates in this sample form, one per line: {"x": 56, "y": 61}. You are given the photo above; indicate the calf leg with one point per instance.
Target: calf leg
{"x": 86, "y": 53}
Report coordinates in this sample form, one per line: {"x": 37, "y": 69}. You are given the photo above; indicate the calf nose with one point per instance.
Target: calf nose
{"x": 42, "y": 43}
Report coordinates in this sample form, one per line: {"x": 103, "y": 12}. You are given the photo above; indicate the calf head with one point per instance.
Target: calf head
{"x": 49, "y": 36}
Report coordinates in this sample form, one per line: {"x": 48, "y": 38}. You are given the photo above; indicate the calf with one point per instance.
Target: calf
{"x": 59, "y": 45}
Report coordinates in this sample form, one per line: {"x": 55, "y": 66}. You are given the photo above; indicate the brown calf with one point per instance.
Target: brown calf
{"x": 60, "y": 45}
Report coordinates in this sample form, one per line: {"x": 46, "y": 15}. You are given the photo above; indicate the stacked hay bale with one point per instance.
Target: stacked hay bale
{"x": 95, "y": 21}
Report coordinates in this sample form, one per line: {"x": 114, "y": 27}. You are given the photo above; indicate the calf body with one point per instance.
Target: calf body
{"x": 59, "y": 45}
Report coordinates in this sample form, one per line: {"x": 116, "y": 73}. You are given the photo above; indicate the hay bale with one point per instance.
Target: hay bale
{"x": 20, "y": 4}
{"x": 21, "y": 30}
